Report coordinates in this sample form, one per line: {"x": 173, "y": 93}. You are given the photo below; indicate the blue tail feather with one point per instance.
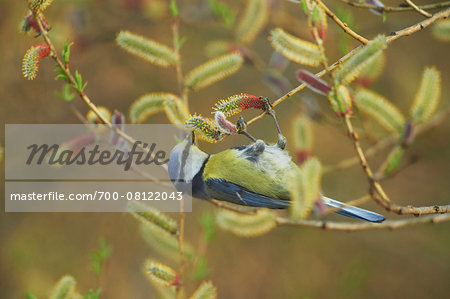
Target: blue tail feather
{"x": 353, "y": 212}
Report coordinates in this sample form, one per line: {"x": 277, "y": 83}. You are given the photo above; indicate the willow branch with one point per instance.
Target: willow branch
{"x": 341, "y": 24}
{"x": 176, "y": 47}
{"x": 397, "y": 8}
{"x": 419, "y": 26}
{"x": 350, "y": 226}
{"x": 82, "y": 95}
{"x": 389, "y": 141}
{"x": 418, "y": 9}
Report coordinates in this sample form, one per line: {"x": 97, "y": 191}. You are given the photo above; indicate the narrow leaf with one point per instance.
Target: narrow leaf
{"x": 64, "y": 288}
{"x": 295, "y": 49}
{"x": 352, "y": 67}
{"x": 253, "y": 21}
{"x": 395, "y": 159}
{"x": 151, "y": 217}
{"x": 441, "y": 30}
{"x": 174, "y": 8}
{"x": 427, "y": 97}
{"x": 147, "y": 49}
{"x": 66, "y": 51}
{"x": 304, "y": 186}
{"x": 214, "y": 70}
{"x": 149, "y": 104}
{"x": 383, "y": 111}
{"x": 246, "y": 225}
{"x": 205, "y": 291}
{"x": 161, "y": 274}
{"x": 176, "y": 111}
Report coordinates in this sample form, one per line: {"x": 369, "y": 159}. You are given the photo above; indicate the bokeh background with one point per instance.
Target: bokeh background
{"x": 289, "y": 262}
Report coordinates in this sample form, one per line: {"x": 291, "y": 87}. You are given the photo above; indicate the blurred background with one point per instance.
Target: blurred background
{"x": 289, "y": 262}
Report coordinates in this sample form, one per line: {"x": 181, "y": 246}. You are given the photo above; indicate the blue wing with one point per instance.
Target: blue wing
{"x": 222, "y": 189}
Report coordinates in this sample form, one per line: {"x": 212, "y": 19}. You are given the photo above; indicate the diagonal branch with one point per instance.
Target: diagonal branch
{"x": 418, "y": 9}
{"x": 350, "y": 226}
{"x": 341, "y": 24}
{"x": 396, "y": 8}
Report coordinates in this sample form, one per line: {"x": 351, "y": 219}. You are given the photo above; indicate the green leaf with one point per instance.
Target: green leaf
{"x": 174, "y": 8}
{"x": 304, "y": 186}
{"x": 383, "y": 111}
{"x": 66, "y": 93}
{"x": 295, "y": 49}
{"x": 79, "y": 86}
{"x": 427, "y": 97}
{"x": 223, "y": 11}
{"x": 246, "y": 225}
{"x": 207, "y": 220}
{"x": 147, "y": 49}
{"x": 205, "y": 291}
{"x": 93, "y": 295}
{"x": 214, "y": 70}
{"x": 61, "y": 74}
{"x": 253, "y": 21}
{"x": 64, "y": 288}
{"x": 202, "y": 270}
{"x": 352, "y": 67}
{"x": 148, "y": 105}
{"x": 181, "y": 41}
{"x": 66, "y": 52}
{"x": 100, "y": 255}
{"x": 395, "y": 159}
{"x": 441, "y": 30}
{"x": 30, "y": 296}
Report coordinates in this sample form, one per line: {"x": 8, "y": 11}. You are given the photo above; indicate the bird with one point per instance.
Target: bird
{"x": 253, "y": 175}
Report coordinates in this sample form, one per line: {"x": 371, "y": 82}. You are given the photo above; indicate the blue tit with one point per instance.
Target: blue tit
{"x": 254, "y": 175}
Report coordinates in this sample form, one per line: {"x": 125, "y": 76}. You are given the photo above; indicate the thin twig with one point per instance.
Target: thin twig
{"x": 176, "y": 47}
{"x": 362, "y": 158}
{"x": 317, "y": 38}
{"x": 419, "y": 26}
{"x": 349, "y": 226}
{"x": 184, "y": 94}
{"x": 341, "y": 24}
{"x": 179, "y": 288}
{"x": 396, "y": 8}
{"x": 388, "y": 141}
{"x": 418, "y": 9}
